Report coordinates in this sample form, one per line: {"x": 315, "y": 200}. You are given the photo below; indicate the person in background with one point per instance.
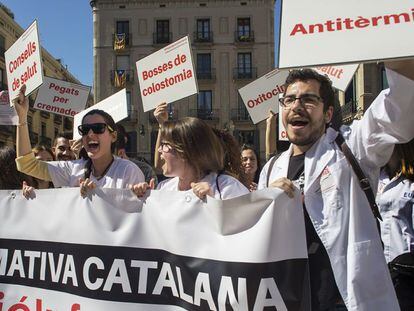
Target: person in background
{"x": 193, "y": 157}
{"x": 251, "y": 166}
{"x": 10, "y": 177}
{"x": 102, "y": 169}
{"x": 43, "y": 153}
{"x": 62, "y": 148}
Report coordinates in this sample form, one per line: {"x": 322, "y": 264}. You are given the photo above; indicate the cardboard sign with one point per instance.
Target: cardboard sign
{"x": 262, "y": 94}
{"x": 282, "y": 130}
{"x": 167, "y": 75}
{"x": 314, "y": 33}
{"x": 115, "y": 105}
{"x": 24, "y": 63}
{"x": 340, "y": 75}
{"x": 61, "y": 97}
{"x": 8, "y": 115}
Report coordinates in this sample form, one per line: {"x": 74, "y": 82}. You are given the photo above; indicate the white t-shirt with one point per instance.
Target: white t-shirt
{"x": 229, "y": 186}
{"x": 121, "y": 174}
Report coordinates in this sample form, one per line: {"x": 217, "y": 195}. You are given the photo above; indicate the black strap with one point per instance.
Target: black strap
{"x": 363, "y": 180}
{"x": 269, "y": 170}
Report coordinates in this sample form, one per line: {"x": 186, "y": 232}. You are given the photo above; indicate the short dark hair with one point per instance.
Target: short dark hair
{"x": 65, "y": 135}
{"x": 326, "y": 91}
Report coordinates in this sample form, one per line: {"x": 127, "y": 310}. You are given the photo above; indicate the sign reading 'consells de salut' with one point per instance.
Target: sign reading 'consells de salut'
{"x": 167, "y": 75}
{"x": 61, "y": 97}
{"x": 262, "y": 95}
{"x": 23, "y": 63}
{"x": 314, "y": 33}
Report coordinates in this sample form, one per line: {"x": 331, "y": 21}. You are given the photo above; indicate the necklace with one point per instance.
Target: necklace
{"x": 104, "y": 172}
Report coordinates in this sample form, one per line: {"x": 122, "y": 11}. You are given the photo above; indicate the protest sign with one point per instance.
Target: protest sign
{"x": 8, "y": 115}
{"x": 314, "y": 33}
{"x": 281, "y": 128}
{"x": 262, "y": 95}
{"x": 170, "y": 251}
{"x": 116, "y": 105}
{"x": 61, "y": 97}
{"x": 24, "y": 63}
{"x": 167, "y": 75}
{"x": 340, "y": 75}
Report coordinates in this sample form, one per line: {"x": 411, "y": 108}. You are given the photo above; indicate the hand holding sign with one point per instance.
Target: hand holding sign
{"x": 161, "y": 113}
{"x": 21, "y": 103}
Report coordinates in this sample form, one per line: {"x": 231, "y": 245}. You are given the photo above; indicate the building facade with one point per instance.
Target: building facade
{"x": 232, "y": 44}
{"x": 43, "y": 126}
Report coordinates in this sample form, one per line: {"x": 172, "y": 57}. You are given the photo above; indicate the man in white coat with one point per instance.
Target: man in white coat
{"x": 346, "y": 260}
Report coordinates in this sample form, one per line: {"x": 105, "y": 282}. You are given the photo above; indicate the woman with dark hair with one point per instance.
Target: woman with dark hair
{"x": 251, "y": 165}
{"x": 192, "y": 155}
{"x": 43, "y": 153}
{"x": 10, "y": 177}
{"x": 100, "y": 168}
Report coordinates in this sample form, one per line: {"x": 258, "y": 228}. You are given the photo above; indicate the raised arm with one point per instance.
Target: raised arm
{"x": 21, "y": 103}
{"x": 161, "y": 114}
{"x": 271, "y": 148}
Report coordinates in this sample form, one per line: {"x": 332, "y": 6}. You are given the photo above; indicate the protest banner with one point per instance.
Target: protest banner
{"x": 61, "y": 97}
{"x": 8, "y": 115}
{"x": 116, "y": 105}
{"x": 262, "y": 95}
{"x": 340, "y": 75}
{"x": 314, "y": 33}
{"x": 167, "y": 75}
{"x": 24, "y": 63}
{"x": 169, "y": 251}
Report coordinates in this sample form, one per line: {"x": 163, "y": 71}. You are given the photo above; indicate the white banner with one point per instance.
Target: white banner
{"x": 171, "y": 251}
{"x": 8, "y": 115}
{"x": 116, "y": 105}
{"x": 340, "y": 75}
{"x": 61, "y": 97}
{"x": 314, "y": 33}
{"x": 24, "y": 63}
{"x": 262, "y": 95}
{"x": 167, "y": 75}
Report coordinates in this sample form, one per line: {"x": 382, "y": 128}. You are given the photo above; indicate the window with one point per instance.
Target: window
{"x": 244, "y": 65}
{"x": 384, "y": 80}
{"x": 204, "y": 66}
{"x": 163, "y": 31}
{"x": 129, "y": 106}
{"x": 248, "y": 137}
{"x": 122, "y": 27}
{"x": 43, "y": 130}
{"x": 122, "y": 62}
{"x": 350, "y": 93}
{"x": 205, "y": 105}
{"x": 3, "y": 85}
{"x": 203, "y": 33}
{"x": 243, "y": 114}
{"x": 122, "y": 73}
{"x": 2, "y": 46}
{"x": 243, "y": 29}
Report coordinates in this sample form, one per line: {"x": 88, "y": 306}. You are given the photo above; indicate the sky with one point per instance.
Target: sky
{"x": 65, "y": 31}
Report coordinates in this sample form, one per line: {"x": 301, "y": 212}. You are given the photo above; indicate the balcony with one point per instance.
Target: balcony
{"x": 244, "y": 73}
{"x": 122, "y": 41}
{"x": 44, "y": 114}
{"x": 172, "y": 116}
{"x": 244, "y": 36}
{"x": 348, "y": 110}
{"x": 119, "y": 78}
{"x": 162, "y": 37}
{"x": 205, "y": 114}
{"x": 240, "y": 114}
{"x": 206, "y": 74}
{"x": 203, "y": 37}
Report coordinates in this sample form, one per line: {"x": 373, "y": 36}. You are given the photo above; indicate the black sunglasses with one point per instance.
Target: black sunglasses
{"x": 97, "y": 128}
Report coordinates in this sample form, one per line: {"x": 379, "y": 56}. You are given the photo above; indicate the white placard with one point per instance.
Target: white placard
{"x": 116, "y": 105}
{"x": 8, "y": 115}
{"x": 167, "y": 75}
{"x": 314, "y": 33}
{"x": 340, "y": 75}
{"x": 281, "y": 128}
{"x": 262, "y": 94}
{"x": 61, "y": 97}
{"x": 24, "y": 63}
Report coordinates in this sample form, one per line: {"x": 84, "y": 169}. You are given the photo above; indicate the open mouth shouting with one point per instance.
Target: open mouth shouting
{"x": 298, "y": 123}
{"x": 92, "y": 146}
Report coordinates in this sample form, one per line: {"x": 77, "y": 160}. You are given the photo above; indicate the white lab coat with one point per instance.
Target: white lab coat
{"x": 339, "y": 209}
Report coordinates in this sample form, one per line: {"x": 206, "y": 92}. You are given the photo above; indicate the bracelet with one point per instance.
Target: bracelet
{"x": 22, "y": 124}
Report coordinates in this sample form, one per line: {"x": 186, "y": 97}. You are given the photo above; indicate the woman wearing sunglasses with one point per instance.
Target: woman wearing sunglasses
{"x": 192, "y": 155}
{"x": 100, "y": 168}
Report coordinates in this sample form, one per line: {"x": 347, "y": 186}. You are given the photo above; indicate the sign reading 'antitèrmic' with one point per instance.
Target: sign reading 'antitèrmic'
{"x": 62, "y": 97}
{"x": 319, "y": 32}
{"x": 23, "y": 63}
{"x": 262, "y": 95}
{"x": 340, "y": 75}
{"x": 116, "y": 105}
{"x": 167, "y": 75}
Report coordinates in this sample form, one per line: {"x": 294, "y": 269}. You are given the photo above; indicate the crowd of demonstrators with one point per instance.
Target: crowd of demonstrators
{"x": 250, "y": 162}
{"x": 344, "y": 247}
{"x": 395, "y": 199}
{"x": 192, "y": 155}
{"x": 101, "y": 168}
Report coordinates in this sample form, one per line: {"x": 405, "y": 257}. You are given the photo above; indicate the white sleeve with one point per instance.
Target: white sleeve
{"x": 386, "y": 122}
{"x": 132, "y": 175}
{"x": 263, "y": 176}
{"x": 230, "y": 187}
{"x": 60, "y": 172}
